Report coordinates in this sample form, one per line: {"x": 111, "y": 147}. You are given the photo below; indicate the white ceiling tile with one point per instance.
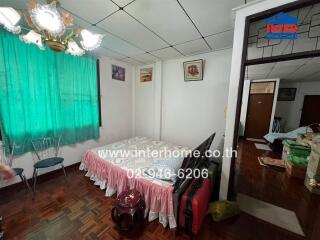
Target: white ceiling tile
{"x": 261, "y": 68}
{"x": 278, "y": 69}
{"x": 123, "y": 3}
{"x": 18, "y": 4}
{"x": 256, "y": 76}
{"x": 221, "y": 40}
{"x": 101, "y": 51}
{"x": 282, "y": 70}
{"x": 167, "y": 53}
{"x": 293, "y": 63}
{"x": 121, "y": 24}
{"x": 93, "y": 10}
{"x": 131, "y": 61}
{"x": 166, "y": 18}
{"x": 80, "y": 22}
{"x": 22, "y": 5}
{"x": 211, "y": 16}
{"x": 315, "y": 77}
{"x": 146, "y": 58}
{"x": 315, "y": 60}
{"x": 193, "y": 47}
{"x": 111, "y": 42}
{"x": 306, "y": 70}
{"x": 296, "y": 70}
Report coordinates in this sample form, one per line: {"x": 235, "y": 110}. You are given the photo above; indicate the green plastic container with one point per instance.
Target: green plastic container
{"x": 295, "y": 150}
{"x": 299, "y": 161}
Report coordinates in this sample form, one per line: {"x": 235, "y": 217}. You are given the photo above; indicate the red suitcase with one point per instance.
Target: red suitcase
{"x": 194, "y": 205}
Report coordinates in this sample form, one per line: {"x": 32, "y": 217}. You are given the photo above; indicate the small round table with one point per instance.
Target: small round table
{"x": 128, "y": 211}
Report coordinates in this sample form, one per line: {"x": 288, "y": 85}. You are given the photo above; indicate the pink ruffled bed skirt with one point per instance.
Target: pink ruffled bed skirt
{"x": 159, "y": 199}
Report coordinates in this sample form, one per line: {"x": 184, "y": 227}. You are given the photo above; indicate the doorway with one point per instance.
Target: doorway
{"x": 260, "y": 106}
{"x": 310, "y": 113}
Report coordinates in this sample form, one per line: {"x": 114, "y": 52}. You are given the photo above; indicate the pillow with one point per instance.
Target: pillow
{"x": 173, "y": 163}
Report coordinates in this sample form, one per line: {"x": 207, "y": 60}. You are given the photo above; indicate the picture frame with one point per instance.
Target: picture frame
{"x": 193, "y": 70}
{"x": 287, "y": 94}
{"x": 146, "y": 74}
{"x": 118, "y": 73}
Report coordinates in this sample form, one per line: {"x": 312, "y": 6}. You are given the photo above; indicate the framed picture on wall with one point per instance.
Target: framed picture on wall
{"x": 287, "y": 94}
{"x": 118, "y": 73}
{"x": 193, "y": 70}
{"x": 146, "y": 74}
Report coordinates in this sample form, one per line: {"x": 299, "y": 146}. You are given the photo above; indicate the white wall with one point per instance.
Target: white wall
{"x": 185, "y": 113}
{"x": 192, "y": 111}
{"x": 116, "y": 112}
{"x": 144, "y": 105}
{"x": 290, "y": 111}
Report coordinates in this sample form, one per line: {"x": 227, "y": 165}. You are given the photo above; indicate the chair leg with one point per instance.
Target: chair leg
{"x": 35, "y": 173}
{"x": 64, "y": 171}
{"x": 24, "y": 179}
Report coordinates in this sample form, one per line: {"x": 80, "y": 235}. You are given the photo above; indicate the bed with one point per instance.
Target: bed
{"x": 116, "y": 172}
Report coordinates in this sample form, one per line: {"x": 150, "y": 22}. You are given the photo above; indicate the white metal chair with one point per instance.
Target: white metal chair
{"x": 6, "y": 157}
{"x": 47, "y": 152}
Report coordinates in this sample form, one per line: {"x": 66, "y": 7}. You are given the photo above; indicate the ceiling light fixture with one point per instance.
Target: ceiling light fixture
{"x": 50, "y": 24}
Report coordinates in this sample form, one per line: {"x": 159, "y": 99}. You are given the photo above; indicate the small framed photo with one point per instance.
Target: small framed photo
{"x": 287, "y": 94}
{"x": 193, "y": 70}
{"x": 146, "y": 74}
{"x": 118, "y": 73}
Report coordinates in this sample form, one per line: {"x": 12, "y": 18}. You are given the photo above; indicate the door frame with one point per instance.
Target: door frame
{"x": 304, "y": 98}
{"x": 274, "y": 105}
{"x": 243, "y": 16}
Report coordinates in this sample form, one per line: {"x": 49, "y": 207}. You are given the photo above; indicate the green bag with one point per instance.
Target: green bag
{"x": 222, "y": 210}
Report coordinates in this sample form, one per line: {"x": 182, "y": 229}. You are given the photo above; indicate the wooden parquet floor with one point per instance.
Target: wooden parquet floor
{"x": 277, "y": 188}
{"x": 72, "y": 208}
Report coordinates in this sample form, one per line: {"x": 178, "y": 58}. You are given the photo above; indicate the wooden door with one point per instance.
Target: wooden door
{"x": 310, "y": 111}
{"x": 259, "y": 111}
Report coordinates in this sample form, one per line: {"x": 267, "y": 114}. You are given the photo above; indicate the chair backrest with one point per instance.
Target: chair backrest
{"x": 46, "y": 147}
{"x": 6, "y": 154}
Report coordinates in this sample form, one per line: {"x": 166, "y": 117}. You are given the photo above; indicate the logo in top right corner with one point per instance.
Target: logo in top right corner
{"x": 282, "y": 26}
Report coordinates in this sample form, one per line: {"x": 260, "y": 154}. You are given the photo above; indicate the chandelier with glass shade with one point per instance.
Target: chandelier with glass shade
{"x": 49, "y": 25}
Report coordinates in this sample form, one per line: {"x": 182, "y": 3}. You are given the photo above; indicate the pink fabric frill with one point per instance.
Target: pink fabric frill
{"x": 158, "y": 198}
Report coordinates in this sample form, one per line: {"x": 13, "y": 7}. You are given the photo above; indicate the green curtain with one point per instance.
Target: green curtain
{"x": 44, "y": 93}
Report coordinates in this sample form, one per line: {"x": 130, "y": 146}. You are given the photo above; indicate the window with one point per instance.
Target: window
{"x": 47, "y": 94}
